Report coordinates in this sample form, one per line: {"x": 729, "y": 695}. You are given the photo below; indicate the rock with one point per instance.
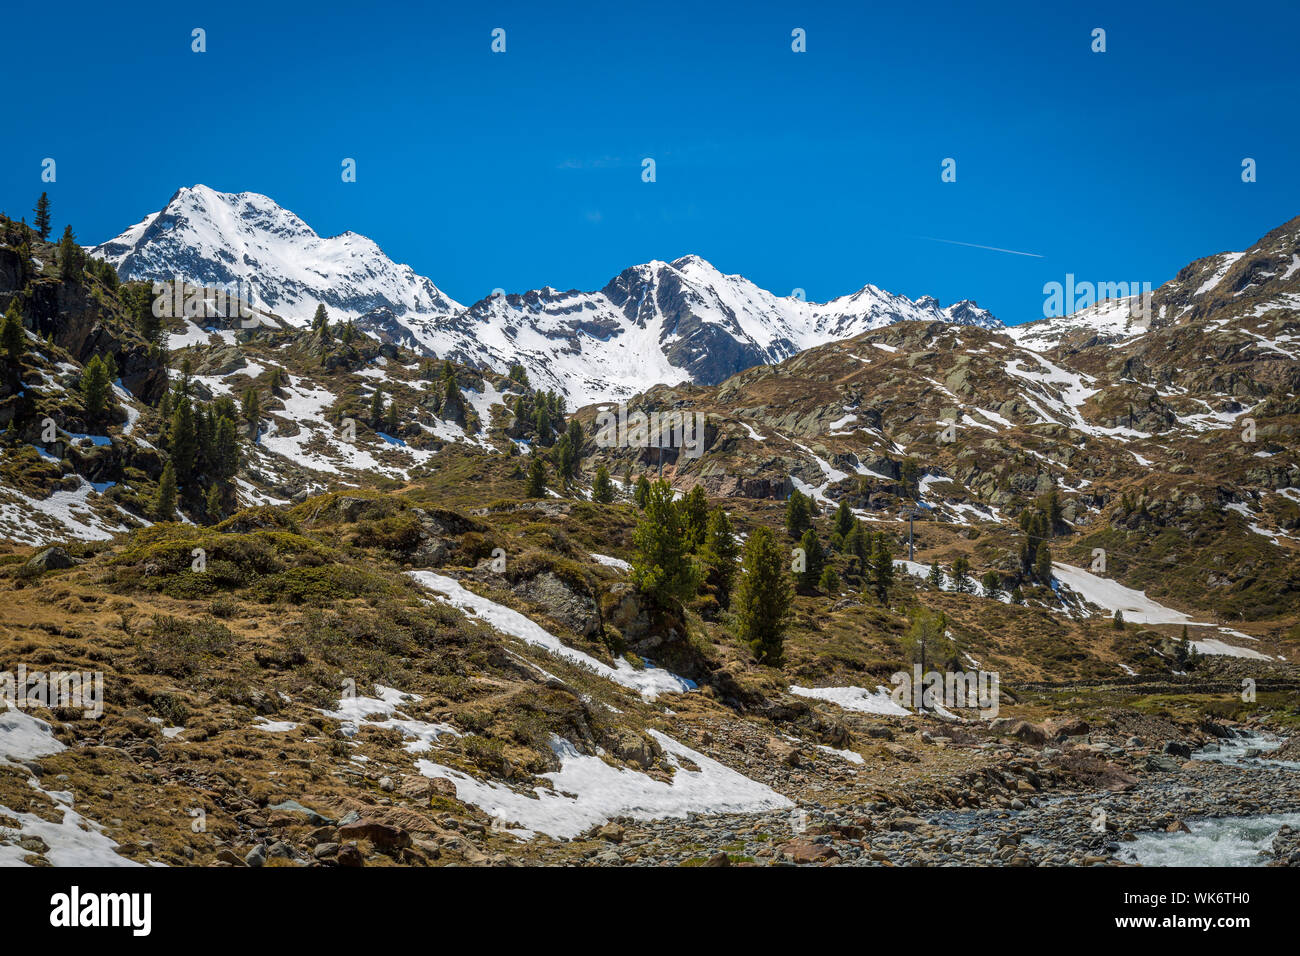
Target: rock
{"x": 1178, "y": 826}
{"x": 899, "y": 752}
{"x": 1163, "y": 764}
{"x": 783, "y": 751}
{"x": 384, "y": 836}
{"x": 325, "y": 851}
{"x": 718, "y": 859}
{"x": 227, "y": 855}
{"x": 1286, "y": 846}
{"x": 1176, "y": 749}
{"x": 1065, "y": 727}
{"x": 256, "y": 856}
{"x": 350, "y": 855}
{"x": 611, "y": 832}
{"x": 284, "y": 814}
{"x": 805, "y": 851}
{"x": 51, "y": 559}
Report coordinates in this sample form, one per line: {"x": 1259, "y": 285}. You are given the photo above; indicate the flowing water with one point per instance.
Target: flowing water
{"x": 1223, "y": 841}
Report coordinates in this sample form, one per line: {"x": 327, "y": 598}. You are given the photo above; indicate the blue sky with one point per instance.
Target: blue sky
{"x": 816, "y": 170}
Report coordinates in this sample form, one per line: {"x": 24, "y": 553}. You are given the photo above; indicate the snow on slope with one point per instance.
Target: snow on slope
{"x": 649, "y": 681}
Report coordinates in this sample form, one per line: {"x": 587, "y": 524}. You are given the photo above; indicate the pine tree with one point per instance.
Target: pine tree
{"x": 829, "y": 582}
{"x": 69, "y": 256}
{"x": 95, "y": 388}
{"x": 183, "y": 440}
{"x": 377, "y": 409}
{"x": 961, "y": 575}
{"x": 882, "y": 569}
{"x": 321, "y": 319}
{"x": 935, "y": 577}
{"x": 12, "y": 335}
{"x": 762, "y": 600}
{"x": 226, "y": 448}
{"x": 910, "y": 475}
{"x": 926, "y": 640}
{"x": 992, "y": 584}
{"x": 602, "y": 489}
{"x": 214, "y": 504}
{"x": 1117, "y": 622}
{"x": 661, "y": 565}
{"x": 252, "y": 408}
{"x": 1043, "y": 564}
{"x": 1017, "y": 595}
{"x": 844, "y": 520}
{"x": 718, "y": 555}
{"x": 536, "y": 478}
{"x": 165, "y": 502}
{"x": 798, "y": 518}
{"x": 814, "y": 559}
{"x": 695, "y": 516}
{"x": 42, "y": 220}
{"x": 642, "y": 492}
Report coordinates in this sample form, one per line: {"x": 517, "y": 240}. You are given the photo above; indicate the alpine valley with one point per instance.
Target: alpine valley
{"x": 369, "y": 581}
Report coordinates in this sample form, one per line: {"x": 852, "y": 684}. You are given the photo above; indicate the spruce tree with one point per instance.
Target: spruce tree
{"x": 844, "y": 520}
{"x": 184, "y": 440}
{"x": 798, "y": 518}
{"x": 814, "y": 560}
{"x": 1043, "y": 564}
{"x": 321, "y": 319}
{"x": 536, "y": 478}
{"x": 882, "y": 569}
{"x": 961, "y": 575}
{"x": 661, "y": 565}
{"x": 226, "y": 448}
{"x": 718, "y": 554}
{"x": 95, "y": 388}
{"x": 69, "y": 256}
{"x": 762, "y": 600}
{"x": 42, "y": 220}
{"x": 642, "y": 491}
{"x": 935, "y": 577}
{"x": 992, "y": 584}
{"x": 165, "y": 502}
{"x": 377, "y": 409}
{"x": 829, "y": 582}
{"x": 214, "y": 504}
{"x": 695, "y": 516}
{"x": 602, "y": 489}
{"x": 13, "y": 336}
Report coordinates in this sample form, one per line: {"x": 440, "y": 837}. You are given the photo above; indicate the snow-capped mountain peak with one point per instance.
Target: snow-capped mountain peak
{"x": 212, "y": 238}
{"x": 655, "y": 323}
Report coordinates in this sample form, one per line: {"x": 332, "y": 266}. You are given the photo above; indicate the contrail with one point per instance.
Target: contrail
{"x": 975, "y": 245}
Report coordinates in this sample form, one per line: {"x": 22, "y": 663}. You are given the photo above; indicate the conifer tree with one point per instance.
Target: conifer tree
{"x": 798, "y": 517}
{"x": 718, "y": 554}
{"x": 992, "y": 584}
{"x": 961, "y": 575}
{"x": 95, "y": 388}
{"x": 1043, "y": 564}
{"x": 13, "y": 336}
{"x": 762, "y": 600}
{"x": 602, "y": 489}
{"x": 844, "y": 520}
{"x": 165, "y": 502}
{"x": 377, "y": 409}
{"x": 642, "y": 492}
{"x": 935, "y": 577}
{"x": 882, "y": 569}
{"x": 321, "y": 319}
{"x": 695, "y": 516}
{"x": 214, "y": 503}
{"x": 42, "y": 220}
{"x": 661, "y": 566}
{"x": 536, "y": 478}
{"x": 814, "y": 560}
{"x": 226, "y": 448}
{"x": 829, "y": 582}
{"x": 183, "y": 440}
{"x": 69, "y": 256}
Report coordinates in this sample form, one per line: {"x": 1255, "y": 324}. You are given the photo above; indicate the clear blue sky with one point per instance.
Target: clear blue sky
{"x": 817, "y": 170}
